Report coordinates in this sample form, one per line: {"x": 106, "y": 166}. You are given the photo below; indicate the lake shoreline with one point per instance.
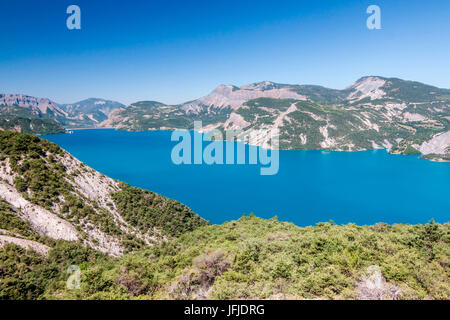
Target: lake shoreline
{"x": 419, "y": 156}
{"x": 311, "y": 186}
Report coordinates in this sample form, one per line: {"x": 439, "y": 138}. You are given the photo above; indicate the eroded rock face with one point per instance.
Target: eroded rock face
{"x": 373, "y": 286}
{"x": 42, "y": 220}
{"x": 439, "y": 144}
{"x": 367, "y": 87}
{"x": 413, "y": 117}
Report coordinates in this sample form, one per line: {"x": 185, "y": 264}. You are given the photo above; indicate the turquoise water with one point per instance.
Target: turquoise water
{"x": 311, "y": 186}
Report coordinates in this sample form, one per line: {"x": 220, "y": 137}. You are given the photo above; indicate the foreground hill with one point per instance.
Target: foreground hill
{"x": 60, "y": 198}
{"x": 250, "y": 258}
{"x": 375, "y": 112}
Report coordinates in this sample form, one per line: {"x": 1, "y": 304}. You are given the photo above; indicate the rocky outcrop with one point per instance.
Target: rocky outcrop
{"x": 368, "y": 87}
{"x": 83, "y": 114}
{"x": 43, "y": 221}
{"x": 373, "y": 286}
{"x": 439, "y": 144}
{"x": 98, "y": 188}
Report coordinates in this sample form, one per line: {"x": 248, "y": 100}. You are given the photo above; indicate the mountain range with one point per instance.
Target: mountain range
{"x": 83, "y": 114}
{"x": 375, "y": 112}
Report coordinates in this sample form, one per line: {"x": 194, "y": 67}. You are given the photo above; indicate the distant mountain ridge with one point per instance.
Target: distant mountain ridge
{"x": 28, "y": 114}
{"x": 374, "y": 112}
{"x": 372, "y": 87}
{"x": 89, "y": 112}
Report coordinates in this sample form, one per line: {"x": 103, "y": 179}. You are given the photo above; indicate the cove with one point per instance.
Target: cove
{"x": 311, "y": 186}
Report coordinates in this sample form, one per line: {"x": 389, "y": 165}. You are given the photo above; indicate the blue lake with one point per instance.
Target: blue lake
{"x": 311, "y": 186}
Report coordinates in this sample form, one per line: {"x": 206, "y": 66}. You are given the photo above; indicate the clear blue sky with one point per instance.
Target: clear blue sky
{"x": 174, "y": 51}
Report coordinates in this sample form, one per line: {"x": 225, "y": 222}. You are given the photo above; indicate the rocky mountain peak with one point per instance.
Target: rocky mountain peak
{"x": 234, "y": 97}
{"x": 367, "y": 87}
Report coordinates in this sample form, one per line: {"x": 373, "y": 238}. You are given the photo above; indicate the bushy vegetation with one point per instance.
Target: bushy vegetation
{"x": 414, "y": 91}
{"x": 25, "y": 274}
{"x": 39, "y": 177}
{"x": 147, "y": 210}
{"x": 404, "y": 148}
{"x": 411, "y": 150}
{"x": 254, "y": 258}
{"x": 16, "y": 145}
{"x": 32, "y": 125}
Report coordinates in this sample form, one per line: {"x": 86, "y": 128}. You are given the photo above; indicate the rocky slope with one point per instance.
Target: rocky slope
{"x": 60, "y": 198}
{"x": 374, "y": 112}
{"x": 250, "y": 258}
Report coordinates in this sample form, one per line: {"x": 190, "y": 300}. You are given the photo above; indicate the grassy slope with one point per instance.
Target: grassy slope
{"x": 254, "y": 258}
